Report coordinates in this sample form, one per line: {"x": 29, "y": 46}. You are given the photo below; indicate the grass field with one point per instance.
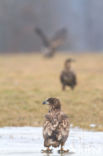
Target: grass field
{"x": 28, "y": 79}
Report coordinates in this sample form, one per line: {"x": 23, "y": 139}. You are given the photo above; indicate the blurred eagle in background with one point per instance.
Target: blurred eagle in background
{"x": 56, "y": 126}
{"x": 51, "y": 45}
{"x": 68, "y": 76}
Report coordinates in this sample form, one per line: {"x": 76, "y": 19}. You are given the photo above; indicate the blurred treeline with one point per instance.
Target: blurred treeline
{"x": 82, "y": 18}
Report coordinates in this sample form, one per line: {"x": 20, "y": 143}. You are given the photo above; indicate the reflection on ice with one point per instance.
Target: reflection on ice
{"x": 28, "y": 141}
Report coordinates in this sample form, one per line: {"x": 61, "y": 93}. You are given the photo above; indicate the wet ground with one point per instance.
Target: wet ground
{"x": 28, "y": 141}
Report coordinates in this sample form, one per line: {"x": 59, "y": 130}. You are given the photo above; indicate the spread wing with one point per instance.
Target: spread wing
{"x": 40, "y": 33}
{"x": 59, "y": 38}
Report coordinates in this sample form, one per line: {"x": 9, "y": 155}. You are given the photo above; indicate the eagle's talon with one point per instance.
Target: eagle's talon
{"x": 63, "y": 151}
{"x": 47, "y": 151}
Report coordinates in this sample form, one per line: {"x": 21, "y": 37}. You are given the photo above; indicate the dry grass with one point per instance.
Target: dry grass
{"x": 27, "y": 79}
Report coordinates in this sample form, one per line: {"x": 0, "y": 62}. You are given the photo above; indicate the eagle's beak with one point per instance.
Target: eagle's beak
{"x": 45, "y": 103}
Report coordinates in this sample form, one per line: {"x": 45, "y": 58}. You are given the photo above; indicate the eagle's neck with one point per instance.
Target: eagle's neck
{"x": 53, "y": 109}
{"x": 67, "y": 68}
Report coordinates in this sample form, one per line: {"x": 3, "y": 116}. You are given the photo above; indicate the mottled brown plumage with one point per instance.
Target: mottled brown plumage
{"x": 68, "y": 76}
{"x": 56, "y": 125}
{"x": 52, "y": 44}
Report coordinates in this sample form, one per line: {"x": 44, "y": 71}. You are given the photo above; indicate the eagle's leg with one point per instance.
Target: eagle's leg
{"x": 48, "y": 150}
{"x": 62, "y": 150}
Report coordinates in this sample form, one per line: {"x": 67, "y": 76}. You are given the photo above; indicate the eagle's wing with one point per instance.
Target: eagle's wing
{"x": 63, "y": 130}
{"x": 50, "y": 125}
{"x": 74, "y": 77}
{"x": 43, "y": 37}
{"x": 49, "y": 129}
{"x": 59, "y": 38}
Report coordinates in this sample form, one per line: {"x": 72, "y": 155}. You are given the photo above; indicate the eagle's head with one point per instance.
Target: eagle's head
{"x": 68, "y": 62}
{"x": 54, "y": 103}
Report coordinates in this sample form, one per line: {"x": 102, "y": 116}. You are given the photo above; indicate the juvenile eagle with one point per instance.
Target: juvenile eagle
{"x": 52, "y": 44}
{"x": 68, "y": 77}
{"x": 56, "y": 126}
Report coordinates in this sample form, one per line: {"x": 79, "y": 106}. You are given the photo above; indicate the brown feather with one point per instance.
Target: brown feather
{"x": 56, "y": 128}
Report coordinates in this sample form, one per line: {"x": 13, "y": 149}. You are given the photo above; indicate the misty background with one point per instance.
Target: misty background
{"x": 82, "y": 18}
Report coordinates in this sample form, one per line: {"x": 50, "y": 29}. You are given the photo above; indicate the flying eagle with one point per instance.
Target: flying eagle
{"x": 68, "y": 77}
{"x": 52, "y": 44}
{"x": 56, "y": 126}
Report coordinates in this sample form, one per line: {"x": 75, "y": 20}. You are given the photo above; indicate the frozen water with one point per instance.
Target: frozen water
{"x": 28, "y": 141}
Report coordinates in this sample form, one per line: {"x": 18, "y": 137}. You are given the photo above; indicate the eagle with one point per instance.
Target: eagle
{"x": 68, "y": 76}
{"x": 56, "y": 126}
{"x": 52, "y": 44}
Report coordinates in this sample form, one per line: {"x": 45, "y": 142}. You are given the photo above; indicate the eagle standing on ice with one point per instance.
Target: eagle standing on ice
{"x": 56, "y": 126}
{"x": 51, "y": 45}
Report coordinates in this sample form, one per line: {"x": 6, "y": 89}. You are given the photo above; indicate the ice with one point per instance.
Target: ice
{"x": 28, "y": 141}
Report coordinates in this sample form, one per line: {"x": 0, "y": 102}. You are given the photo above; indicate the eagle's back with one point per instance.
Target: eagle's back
{"x": 56, "y": 129}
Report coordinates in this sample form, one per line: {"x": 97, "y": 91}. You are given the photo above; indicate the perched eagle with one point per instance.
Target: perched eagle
{"x": 68, "y": 77}
{"x": 52, "y": 44}
{"x": 56, "y": 126}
